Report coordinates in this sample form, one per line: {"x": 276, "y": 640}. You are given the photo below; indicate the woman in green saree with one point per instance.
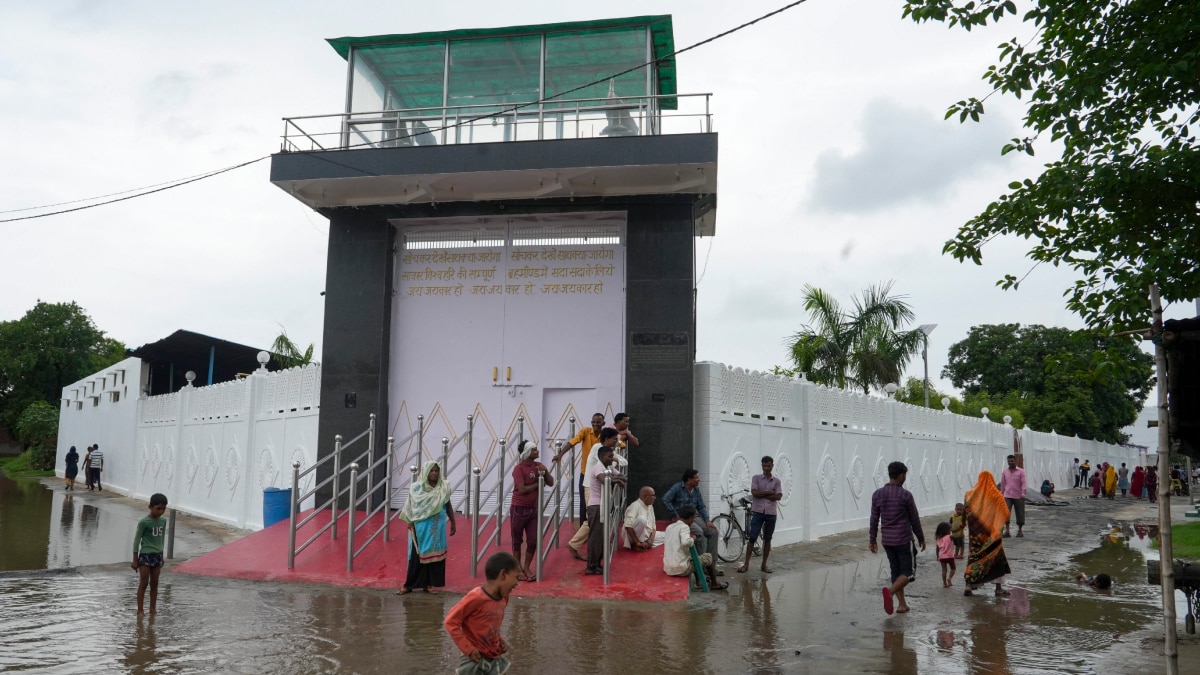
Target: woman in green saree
{"x": 426, "y": 512}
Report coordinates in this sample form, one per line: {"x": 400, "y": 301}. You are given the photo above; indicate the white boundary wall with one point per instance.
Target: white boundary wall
{"x": 832, "y": 448}
{"x": 89, "y": 414}
{"x": 212, "y": 450}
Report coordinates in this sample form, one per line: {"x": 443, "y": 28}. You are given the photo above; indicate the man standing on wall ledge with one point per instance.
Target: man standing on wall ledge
{"x": 894, "y": 510}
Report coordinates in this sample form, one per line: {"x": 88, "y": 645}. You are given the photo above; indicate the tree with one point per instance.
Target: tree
{"x": 51, "y": 346}
{"x": 287, "y": 354}
{"x": 37, "y": 429}
{"x": 862, "y": 348}
{"x": 1116, "y": 84}
{"x": 1074, "y": 382}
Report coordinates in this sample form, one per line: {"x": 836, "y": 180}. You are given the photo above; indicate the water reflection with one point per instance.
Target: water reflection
{"x": 903, "y": 657}
{"x": 44, "y": 529}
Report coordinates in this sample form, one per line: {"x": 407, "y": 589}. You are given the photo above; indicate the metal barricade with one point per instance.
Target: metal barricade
{"x": 611, "y": 506}
{"x": 297, "y": 498}
{"x": 554, "y": 522}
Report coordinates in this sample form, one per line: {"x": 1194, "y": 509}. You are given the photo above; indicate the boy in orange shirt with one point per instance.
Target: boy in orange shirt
{"x": 474, "y": 623}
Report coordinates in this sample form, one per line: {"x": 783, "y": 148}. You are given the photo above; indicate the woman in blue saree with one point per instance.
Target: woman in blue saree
{"x": 426, "y": 512}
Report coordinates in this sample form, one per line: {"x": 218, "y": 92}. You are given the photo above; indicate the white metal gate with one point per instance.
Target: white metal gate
{"x": 505, "y": 318}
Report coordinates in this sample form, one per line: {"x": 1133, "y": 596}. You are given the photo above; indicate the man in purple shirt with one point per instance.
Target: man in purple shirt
{"x": 1012, "y": 484}
{"x": 766, "y": 490}
{"x": 894, "y": 510}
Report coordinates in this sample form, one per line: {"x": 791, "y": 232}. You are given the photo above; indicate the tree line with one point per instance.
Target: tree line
{"x": 1073, "y": 382}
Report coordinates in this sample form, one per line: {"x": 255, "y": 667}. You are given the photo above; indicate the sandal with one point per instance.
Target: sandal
{"x": 767, "y": 570}
{"x": 430, "y": 591}
{"x": 575, "y": 554}
{"x": 1002, "y": 593}
{"x": 404, "y": 591}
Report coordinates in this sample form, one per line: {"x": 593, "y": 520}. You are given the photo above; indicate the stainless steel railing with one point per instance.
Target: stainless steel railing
{"x": 612, "y": 503}
{"x": 357, "y": 481}
{"x": 297, "y": 499}
{"x": 489, "y": 123}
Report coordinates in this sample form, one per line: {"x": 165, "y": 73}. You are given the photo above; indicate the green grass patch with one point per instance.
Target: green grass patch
{"x": 1185, "y": 541}
{"x": 21, "y": 466}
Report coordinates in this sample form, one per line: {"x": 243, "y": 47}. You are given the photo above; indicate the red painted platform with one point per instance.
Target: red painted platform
{"x": 262, "y": 556}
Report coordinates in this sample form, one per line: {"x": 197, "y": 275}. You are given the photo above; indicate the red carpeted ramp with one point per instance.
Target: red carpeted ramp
{"x": 262, "y": 556}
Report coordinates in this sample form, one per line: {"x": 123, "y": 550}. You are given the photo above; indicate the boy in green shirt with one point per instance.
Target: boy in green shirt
{"x": 148, "y": 550}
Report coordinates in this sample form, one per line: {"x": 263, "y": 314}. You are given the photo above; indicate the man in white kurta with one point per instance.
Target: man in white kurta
{"x": 640, "y": 527}
{"x": 677, "y": 550}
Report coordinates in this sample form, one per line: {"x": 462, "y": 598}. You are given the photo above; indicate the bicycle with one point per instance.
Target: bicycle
{"x": 731, "y": 535}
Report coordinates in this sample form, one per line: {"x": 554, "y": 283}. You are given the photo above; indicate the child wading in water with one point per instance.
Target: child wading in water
{"x": 958, "y": 521}
{"x": 474, "y": 623}
{"x": 945, "y": 553}
{"x": 148, "y": 551}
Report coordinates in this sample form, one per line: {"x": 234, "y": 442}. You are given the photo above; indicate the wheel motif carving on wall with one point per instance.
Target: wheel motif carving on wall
{"x": 307, "y": 481}
{"x": 233, "y": 463}
{"x": 168, "y": 467}
{"x": 192, "y": 468}
{"x": 856, "y": 477}
{"x": 268, "y": 473}
{"x": 737, "y": 474}
{"x": 827, "y": 477}
{"x": 880, "y": 473}
{"x": 143, "y": 458}
{"x": 783, "y": 469}
{"x": 926, "y": 477}
{"x": 941, "y": 474}
{"x": 211, "y": 467}
{"x": 156, "y": 458}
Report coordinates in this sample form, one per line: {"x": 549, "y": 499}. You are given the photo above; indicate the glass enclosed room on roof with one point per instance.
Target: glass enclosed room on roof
{"x": 571, "y": 80}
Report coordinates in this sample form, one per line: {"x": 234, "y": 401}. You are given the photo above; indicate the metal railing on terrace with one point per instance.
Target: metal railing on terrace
{"x": 458, "y": 125}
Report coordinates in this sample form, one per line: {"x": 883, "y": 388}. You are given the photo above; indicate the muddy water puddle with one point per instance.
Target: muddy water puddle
{"x": 813, "y": 618}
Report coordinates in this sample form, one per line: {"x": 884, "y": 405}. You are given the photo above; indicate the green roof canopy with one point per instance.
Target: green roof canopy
{"x": 503, "y": 66}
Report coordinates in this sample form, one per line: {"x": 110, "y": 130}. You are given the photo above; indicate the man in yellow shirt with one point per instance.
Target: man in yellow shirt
{"x": 586, "y": 438}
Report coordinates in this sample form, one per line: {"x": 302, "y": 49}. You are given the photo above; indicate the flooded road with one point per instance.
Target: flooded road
{"x": 819, "y": 613}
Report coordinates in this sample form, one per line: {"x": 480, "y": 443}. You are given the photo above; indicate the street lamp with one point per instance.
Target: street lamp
{"x": 926, "y": 329}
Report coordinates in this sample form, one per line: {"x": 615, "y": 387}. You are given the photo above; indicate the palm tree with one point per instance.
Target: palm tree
{"x": 287, "y": 353}
{"x": 862, "y": 348}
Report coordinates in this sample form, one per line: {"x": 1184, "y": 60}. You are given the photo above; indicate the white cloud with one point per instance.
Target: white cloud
{"x": 907, "y": 155}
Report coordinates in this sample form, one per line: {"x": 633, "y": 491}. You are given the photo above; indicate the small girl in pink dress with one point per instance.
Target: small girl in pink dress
{"x": 945, "y": 553}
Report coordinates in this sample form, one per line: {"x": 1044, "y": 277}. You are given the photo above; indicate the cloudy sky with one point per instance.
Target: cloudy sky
{"x": 836, "y": 166}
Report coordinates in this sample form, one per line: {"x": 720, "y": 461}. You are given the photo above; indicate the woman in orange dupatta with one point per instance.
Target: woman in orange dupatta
{"x": 986, "y": 515}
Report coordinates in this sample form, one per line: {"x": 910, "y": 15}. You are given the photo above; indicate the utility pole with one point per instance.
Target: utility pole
{"x": 1166, "y": 563}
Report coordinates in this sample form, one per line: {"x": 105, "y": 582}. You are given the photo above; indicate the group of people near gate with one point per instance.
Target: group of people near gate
{"x": 429, "y": 515}
{"x": 1106, "y": 479}
{"x": 93, "y": 467}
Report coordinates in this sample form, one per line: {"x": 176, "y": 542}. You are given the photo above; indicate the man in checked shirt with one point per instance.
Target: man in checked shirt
{"x": 894, "y": 508}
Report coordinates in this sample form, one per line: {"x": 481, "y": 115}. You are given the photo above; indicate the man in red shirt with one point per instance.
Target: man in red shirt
{"x": 523, "y": 508}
